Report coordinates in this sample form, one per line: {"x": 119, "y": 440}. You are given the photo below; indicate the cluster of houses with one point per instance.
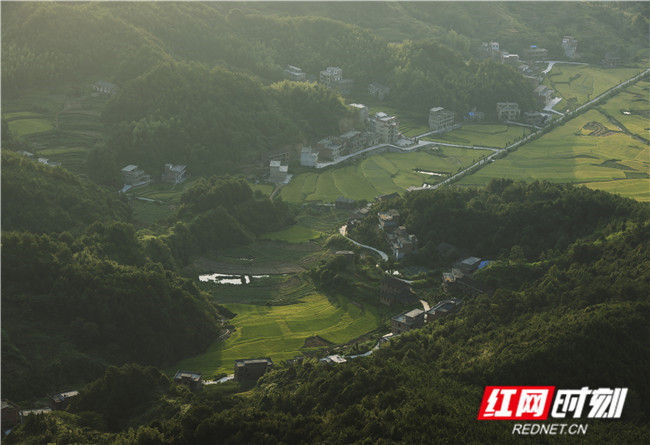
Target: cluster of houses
{"x": 12, "y": 415}
{"x": 458, "y": 281}
{"x": 134, "y": 176}
{"x": 416, "y": 318}
{"x": 401, "y": 242}
{"x": 332, "y": 78}
{"x": 381, "y": 129}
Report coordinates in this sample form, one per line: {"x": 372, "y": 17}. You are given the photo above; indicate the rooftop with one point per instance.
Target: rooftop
{"x": 254, "y": 361}
{"x": 196, "y": 376}
{"x": 129, "y": 168}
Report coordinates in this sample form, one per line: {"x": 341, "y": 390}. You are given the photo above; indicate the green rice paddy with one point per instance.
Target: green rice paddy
{"x": 280, "y": 332}
{"x": 578, "y": 84}
{"x": 586, "y": 150}
{"x": 378, "y": 175}
{"x": 24, "y": 127}
{"x": 485, "y": 135}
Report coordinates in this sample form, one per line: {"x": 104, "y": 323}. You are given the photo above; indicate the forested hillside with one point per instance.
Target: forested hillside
{"x": 506, "y": 217}
{"x": 72, "y": 307}
{"x": 45, "y": 199}
{"x": 579, "y": 319}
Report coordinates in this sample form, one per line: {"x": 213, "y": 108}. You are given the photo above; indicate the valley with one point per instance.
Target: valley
{"x": 213, "y": 212}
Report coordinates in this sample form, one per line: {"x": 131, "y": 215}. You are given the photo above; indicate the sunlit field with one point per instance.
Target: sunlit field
{"x": 379, "y": 174}
{"x": 578, "y": 84}
{"x": 280, "y": 332}
{"x": 497, "y": 136}
{"x": 586, "y": 150}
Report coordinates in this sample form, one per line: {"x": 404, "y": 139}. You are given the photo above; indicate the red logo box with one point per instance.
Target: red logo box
{"x": 516, "y": 402}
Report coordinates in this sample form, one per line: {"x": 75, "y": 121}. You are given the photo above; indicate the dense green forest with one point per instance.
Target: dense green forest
{"x": 534, "y": 220}
{"x": 40, "y": 198}
{"x": 72, "y": 307}
{"x": 580, "y": 318}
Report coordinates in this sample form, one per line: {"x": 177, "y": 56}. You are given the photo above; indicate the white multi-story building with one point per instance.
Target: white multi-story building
{"x": 508, "y": 111}
{"x": 132, "y": 175}
{"x": 440, "y": 119}
{"x": 308, "y": 157}
{"x": 331, "y": 76}
{"x": 385, "y": 126}
{"x": 278, "y": 172}
{"x": 294, "y": 73}
{"x": 569, "y": 44}
{"x": 174, "y": 174}
{"x": 363, "y": 112}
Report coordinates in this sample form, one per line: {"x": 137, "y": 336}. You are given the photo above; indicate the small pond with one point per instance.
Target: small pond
{"x": 221, "y": 278}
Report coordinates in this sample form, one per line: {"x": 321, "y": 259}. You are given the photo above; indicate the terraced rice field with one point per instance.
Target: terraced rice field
{"x": 587, "y": 150}
{"x": 378, "y": 175}
{"x": 631, "y": 108}
{"x": 497, "y": 136}
{"x": 280, "y": 332}
{"x": 577, "y": 84}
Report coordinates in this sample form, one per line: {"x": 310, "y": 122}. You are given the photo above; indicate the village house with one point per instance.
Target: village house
{"x": 190, "y": 379}
{"x": 388, "y": 220}
{"x": 25, "y": 413}
{"x": 332, "y": 78}
{"x": 277, "y": 172}
{"x": 378, "y": 90}
{"x": 440, "y": 120}
{"x": 104, "y": 87}
{"x": 348, "y": 255}
{"x": 468, "y": 265}
{"x": 385, "y": 126}
{"x": 294, "y": 73}
{"x": 535, "y": 54}
{"x": 455, "y": 284}
{"x": 507, "y": 111}
{"x": 49, "y": 163}
{"x": 60, "y": 401}
{"x": 393, "y": 290}
{"x": 569, "y": 45}
{"x": 308, "y": 157}
{"x": 333, "y": 359}
{"x": 509, "y": 59}
{"x": 535, "y": 117}
{"x": 252, "y": 369}
{"x": 353, "y": 141}
{"x": 543, "y": 94}
{"x": 330, "y": 148}
{"x": 132, "y": 175}
{"x": 491, "y": 49}
{"x": 363, "y": 112}
{"x": 174, "y": 174}
{"x": 443, "y": 308}
{"x": 407, "y": 321}
{"x": 402, "y": 243}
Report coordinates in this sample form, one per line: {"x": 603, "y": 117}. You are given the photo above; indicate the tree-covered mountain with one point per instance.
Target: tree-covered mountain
{"x": 45, "y": 199}
{"x": 534, "y": 219}
{"x": 582, "y": 320}
{"x": 72, "y": 307}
